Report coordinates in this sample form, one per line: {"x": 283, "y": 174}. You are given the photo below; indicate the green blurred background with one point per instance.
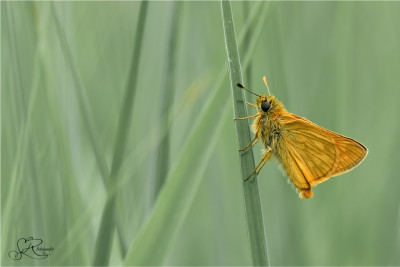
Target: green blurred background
{"x": 62, "y": 88}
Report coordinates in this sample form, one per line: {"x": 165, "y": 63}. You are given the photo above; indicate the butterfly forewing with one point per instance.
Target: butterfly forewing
{"x": 314, "y": 154}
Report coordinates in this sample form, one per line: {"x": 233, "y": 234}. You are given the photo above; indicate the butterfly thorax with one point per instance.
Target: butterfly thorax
{"x": 267, "y": 127}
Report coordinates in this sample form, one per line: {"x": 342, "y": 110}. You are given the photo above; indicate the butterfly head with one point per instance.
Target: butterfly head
{"x": 268, "y": 104}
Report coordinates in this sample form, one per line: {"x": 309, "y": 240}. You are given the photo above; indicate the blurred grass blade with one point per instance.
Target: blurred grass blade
{"x": 82, "y": 98}
{"x": 154, "y": 240}
{"x": 106, "y": 229}
{"x": 167, "y": 91}
{"x": 152, "y": 243}
{"x": 24, "y": 105}
{"x": 87, "y": 116}
{"x": 344, "y": 14}
{"x": 63, "y": 79}
{"x": 255, "y": 225}
{"x": 246, "y": 5}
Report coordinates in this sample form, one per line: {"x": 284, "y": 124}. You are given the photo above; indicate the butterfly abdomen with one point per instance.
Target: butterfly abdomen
{"x": 268, "y": 132}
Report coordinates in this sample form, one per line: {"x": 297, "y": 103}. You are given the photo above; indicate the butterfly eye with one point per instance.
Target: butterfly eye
{"x": 265, "y": 106}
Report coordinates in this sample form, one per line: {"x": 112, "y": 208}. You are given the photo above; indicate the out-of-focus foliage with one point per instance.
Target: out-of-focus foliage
{"x": 335, "y": 63}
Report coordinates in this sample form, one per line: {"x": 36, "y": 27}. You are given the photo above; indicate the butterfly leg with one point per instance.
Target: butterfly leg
{"x": 262, "y": 162}
{"x": 265, "y": 161}
{"x": 249, "y": 117}
{"x": 250, "y": 144}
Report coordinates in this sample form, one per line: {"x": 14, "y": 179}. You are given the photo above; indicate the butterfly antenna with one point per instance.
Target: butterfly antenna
{"x": 265, "y": 81}
{"x": 244, "y": 88}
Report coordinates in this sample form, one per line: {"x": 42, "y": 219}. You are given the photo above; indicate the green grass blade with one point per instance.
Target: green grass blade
{"x": 23, "y": 115}
{"x": 152, "y": 243}
{"x": 154, "y": 240}
{"x": 106, "y": 230}
{"x": 246, "y": 8}
{"x": 167, "y": 97}
{"x": 332, "y": 63}
{"x": 254, "y": 216}
{"x": 87, "y": 117}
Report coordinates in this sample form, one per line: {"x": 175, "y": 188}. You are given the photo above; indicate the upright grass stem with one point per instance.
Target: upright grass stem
{"x": 246, "y": 9}
{"x": 255, "y": 225}
{"x": 168, "y": 83}
{"x": 152, "y": 244}
{"x": 22, "y": 114}
{"x": 106, "y": 230}
{"x": 87, "y": 116}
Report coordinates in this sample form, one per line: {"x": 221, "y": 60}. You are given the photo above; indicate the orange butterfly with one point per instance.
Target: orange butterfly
{"x": 310, "y": 154}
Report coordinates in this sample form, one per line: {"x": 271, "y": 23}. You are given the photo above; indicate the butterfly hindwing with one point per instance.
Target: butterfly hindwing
{"x": 314, "y": 154}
